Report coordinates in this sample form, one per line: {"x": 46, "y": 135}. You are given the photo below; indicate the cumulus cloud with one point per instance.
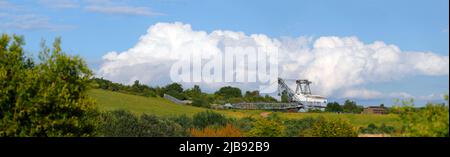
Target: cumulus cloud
{"x": 336, "y": 65}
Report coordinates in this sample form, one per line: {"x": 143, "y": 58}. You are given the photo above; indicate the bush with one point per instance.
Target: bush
{"x": 124, "y": 124}
{"x": 183, "y": 120}
{"x": 152, "y": 126}
{"x": 374, "y": 129}
{"x": 331, "y": 128}
{"x": 118, "y": 123}
{"x": 244, "y": 124}
{"x": 201, "y": 101}
{"x": 294, "y": 128}
{"x": 266, "y": 128}
{"x": 228, "y": 131}
{"x": 203, "y": 119}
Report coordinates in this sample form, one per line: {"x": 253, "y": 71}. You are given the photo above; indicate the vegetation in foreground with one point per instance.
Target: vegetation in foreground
{"x": 49, "y": 98}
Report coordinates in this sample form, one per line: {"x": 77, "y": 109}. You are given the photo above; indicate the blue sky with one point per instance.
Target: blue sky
{"x": 92, "y": 28}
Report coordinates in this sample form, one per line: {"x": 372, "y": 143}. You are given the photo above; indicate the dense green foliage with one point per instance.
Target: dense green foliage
{"x": 47, "y": 98}
{"x": 122, "y": 123}
{"x": 229, "y": 92}
{"x": 267, "y": 128}
{"x": 203, "y": 119}
{"x": 351, "y": 107}
{"x": 334, "y": 107}
{"x": 135, "y": 89}
{"x": 195, "y": 94}
{"x": 295, "y": 127}
{"x": 331, "y": 128}
{"x": 374, "y": 129}
{"x": 430, "y": 121}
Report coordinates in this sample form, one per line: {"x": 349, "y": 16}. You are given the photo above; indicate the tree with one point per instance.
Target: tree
{"x": 229, "y": 92}
{"x": 175, "y": 90}
{"x": 193, "y": 92}
{"x": 201, "y": 101}
{"x": 46, "y": 99}
{"x": 431, "y": 121}
{"x": 351, "y": 107}
{"x": 175, "y": 87}
{"x": 284, "y": 96}
{"x": 333, "y": 107}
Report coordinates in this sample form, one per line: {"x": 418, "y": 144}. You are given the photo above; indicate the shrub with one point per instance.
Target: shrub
{"x": 152, "y": 126}
{"x": 124, "y": 124}
{"x": 244, "y": 124}
{"x": 266, "y": 128}
{"x": 183, "y": 120}
{"x": 374, "y": 129}
{"x": 228, "y": 131}
{"x": 203, "y": 119}
{"x": 118, "y": 123}
{"x": 201, "y": 101}
{"x": 296, "y": 127}
{"x": 331, "y": 128}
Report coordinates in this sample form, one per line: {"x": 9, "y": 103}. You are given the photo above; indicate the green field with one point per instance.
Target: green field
{"x": 108, "y": 100}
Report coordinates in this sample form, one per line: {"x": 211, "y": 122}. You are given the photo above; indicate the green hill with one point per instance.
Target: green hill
{"x": 108, "y": 100}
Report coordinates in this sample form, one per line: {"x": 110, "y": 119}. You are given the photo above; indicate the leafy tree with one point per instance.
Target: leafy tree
{"x": 229, "y": 92}
{"x": 351, "y": 107}
{"x": 176, "y": 87}
{"x": 254, "y": 96}
{"x": 431, "y": 121}
{"x": 333, "y": 107}
{"x": 284, "y": 96}
{"x": 194, "y": 92}
{"x": 175, "y": 90}
{"x": 201, "y": 101}
{"x": 44, "y": 99}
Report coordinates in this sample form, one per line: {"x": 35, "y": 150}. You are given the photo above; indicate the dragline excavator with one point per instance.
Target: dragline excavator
{"x": 299, "y": 100}
{"x": 302, "y": 95}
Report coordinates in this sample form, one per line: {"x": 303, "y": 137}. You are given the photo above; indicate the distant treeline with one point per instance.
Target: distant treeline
{"x": 226, "y": 94}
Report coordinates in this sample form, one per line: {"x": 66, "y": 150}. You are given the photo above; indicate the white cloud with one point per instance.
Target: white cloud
{"x": 334, "y": 64}
{"x": 362, "y": 94}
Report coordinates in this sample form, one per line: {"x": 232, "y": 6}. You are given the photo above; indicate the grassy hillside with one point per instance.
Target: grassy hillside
{"x": 108, "y": 100}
